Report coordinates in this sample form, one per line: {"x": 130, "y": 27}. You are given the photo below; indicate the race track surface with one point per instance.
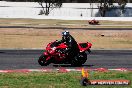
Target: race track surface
{"x": 27, "y": 59}
{"x": 63, "y": 28}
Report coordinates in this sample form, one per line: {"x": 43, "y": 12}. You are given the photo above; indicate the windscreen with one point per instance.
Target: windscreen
{"x": 54, "y": 44}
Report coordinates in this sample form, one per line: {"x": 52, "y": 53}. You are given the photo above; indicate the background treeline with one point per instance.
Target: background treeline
{"x": 72, "y": 1}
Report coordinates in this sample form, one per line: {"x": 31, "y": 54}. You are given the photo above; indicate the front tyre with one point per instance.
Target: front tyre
{"x": 42, "y": 60}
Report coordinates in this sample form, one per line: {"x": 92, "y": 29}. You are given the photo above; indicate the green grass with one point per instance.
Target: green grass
{"x": 58, "y": 80}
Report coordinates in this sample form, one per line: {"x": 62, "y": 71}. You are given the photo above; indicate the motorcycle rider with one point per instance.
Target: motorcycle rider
{"x": 72, "y": 49}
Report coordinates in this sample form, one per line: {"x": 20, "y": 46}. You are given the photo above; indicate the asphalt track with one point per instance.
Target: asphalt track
{"x": 63, "y": 28}
{"x": 27, "y": 59}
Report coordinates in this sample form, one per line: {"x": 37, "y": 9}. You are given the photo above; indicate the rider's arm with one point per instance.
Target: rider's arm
{"x": 59, "y": 41}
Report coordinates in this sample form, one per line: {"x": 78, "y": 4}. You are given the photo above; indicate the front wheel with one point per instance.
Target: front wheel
{"x": 42, "y": 60}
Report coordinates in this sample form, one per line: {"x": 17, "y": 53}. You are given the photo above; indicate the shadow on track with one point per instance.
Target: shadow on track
{"x": 68, "y": 65}
{"x": 2, "y": 52}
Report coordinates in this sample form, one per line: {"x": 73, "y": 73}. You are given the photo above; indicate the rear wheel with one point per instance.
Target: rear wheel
{"x": 42, "y": 60}
{"x": 79, "y": 59}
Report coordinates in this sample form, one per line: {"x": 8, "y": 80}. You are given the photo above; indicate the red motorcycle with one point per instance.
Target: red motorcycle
{"x": 93, "y": 22}
{"x": 54, "y": 54}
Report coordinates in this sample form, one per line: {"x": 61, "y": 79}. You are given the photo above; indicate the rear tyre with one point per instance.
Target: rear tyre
{"x": 42, "y": 60}
{"x": 79, "y": 59}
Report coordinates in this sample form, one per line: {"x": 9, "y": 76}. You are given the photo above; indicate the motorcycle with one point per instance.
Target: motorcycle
{"x": 93, "y": 22}
{"x": 54, "y": 54}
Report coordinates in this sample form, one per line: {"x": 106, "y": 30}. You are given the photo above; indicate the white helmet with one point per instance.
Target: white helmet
{"x": 65, "y": 33}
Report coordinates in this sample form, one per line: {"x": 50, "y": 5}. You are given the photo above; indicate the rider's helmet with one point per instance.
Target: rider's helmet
{"x": 65, "y": 35}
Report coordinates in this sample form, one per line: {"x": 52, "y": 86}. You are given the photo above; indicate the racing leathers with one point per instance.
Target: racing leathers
{"x": 72, "y": 48}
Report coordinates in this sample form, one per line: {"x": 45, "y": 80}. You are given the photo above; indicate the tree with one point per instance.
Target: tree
{"x": 106, "y": 5}
{"x": 49, "y": 5}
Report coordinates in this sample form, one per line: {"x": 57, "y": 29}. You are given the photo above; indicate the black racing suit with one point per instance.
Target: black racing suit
{"x": 72, "y": 49}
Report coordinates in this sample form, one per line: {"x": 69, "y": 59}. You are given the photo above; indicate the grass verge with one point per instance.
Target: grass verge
{"x": 39, "y": 38}
{"x": 61, "y": 23}
{"x": 58, "y": 80}
{"x": 19, "y": 38}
